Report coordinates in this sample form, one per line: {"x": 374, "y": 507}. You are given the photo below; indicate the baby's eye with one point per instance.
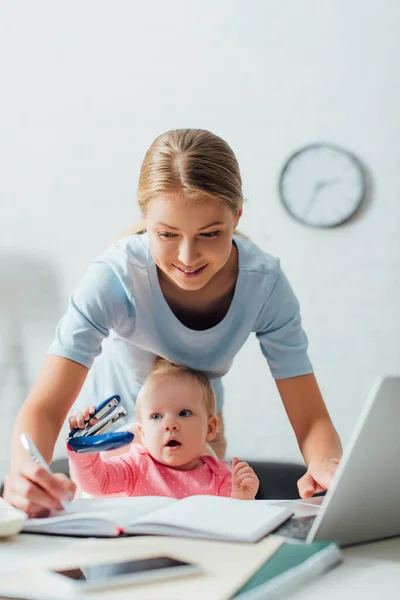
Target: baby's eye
{"x": 185, "y": 413}
{"x": 155, "y": 416}
{"x": 211, "y": 234}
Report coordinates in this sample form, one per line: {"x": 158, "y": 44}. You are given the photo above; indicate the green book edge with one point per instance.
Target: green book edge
{"x": 288, "y": 556}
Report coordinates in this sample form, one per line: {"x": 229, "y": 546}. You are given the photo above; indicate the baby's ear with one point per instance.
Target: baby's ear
{"x": 212, "y": 428}
{"x": 139, "y": 429}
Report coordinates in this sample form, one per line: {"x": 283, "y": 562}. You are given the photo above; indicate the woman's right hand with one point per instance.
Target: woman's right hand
{"x": 35, "y": 491}
{"x": 29, "y": 486}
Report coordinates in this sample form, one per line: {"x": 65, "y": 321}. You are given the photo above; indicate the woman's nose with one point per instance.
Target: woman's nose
{"x": 187, "y": 254}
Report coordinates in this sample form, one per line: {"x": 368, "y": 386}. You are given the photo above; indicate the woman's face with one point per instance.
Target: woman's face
{"x": 190, "y": 242}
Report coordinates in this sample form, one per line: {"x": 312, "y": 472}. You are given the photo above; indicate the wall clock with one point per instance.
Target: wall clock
{"x": 322, "y": 185}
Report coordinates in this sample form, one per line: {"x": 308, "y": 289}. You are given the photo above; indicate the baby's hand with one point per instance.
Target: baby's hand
{"x": 83, "y": 418}
{"x": 244, "y": 481}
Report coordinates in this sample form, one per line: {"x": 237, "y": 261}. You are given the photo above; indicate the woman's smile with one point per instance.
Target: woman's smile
{"x": 189, "y": 273}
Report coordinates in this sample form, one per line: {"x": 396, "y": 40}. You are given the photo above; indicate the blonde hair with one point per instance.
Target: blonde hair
{"x": 163, "y": 366}
{"x": 192, "y": 163}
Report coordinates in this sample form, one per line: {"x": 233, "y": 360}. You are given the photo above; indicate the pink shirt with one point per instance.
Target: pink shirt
{"x": 136, "y": 473}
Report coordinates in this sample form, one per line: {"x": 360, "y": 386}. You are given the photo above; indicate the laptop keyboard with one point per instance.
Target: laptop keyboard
{"x": 296, "y": 528}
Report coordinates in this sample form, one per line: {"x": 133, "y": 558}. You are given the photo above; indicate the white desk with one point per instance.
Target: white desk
{"x": 368, "y": 569}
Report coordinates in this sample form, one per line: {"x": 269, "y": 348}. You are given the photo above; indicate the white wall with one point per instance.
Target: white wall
{"x": 86, "y": 86}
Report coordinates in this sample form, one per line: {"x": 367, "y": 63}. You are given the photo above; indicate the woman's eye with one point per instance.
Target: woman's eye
{"x": 185, "y": 413}
{"x": 166, "y": 234}
{"x": 155, "y": 416}
{"x": 210, "y": 234}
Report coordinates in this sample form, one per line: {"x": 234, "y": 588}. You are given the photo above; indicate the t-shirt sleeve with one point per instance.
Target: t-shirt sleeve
{"x": 279, "y": 330}
{"x": 100, "y": 476}
{"x": 100, "y": 303}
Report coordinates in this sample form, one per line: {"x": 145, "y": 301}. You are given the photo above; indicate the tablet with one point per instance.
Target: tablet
{"x": 145, "y": 570}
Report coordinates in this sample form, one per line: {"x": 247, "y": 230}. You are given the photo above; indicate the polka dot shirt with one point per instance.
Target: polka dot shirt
{"x": 137, "y": 473}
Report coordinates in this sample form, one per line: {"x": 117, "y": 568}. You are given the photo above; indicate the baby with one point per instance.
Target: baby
{"x": 176, "y": 416}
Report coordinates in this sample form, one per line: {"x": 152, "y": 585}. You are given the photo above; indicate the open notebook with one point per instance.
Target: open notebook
{"x": 209, "y": 517}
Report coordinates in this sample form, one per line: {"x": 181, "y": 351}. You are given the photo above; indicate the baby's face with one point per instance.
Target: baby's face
{"x": 173, "y": 420}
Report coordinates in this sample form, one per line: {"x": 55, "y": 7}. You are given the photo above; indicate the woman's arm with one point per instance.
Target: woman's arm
{"x": 98, "y": 305}
{"x": 28, "y": 486}
{"x": 316, "y": 436}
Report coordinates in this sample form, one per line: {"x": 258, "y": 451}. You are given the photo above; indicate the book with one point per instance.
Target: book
{"x": 208, "y": 517}
{"x": 225, "y": 567}
{"x": 291, "y": 566}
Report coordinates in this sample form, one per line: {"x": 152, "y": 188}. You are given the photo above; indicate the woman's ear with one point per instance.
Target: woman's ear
{"x": 211, "y": 428}
{"x": 238, "y": 214}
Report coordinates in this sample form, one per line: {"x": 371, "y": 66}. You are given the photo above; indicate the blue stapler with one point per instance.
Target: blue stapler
{"x": 91, "y": 438}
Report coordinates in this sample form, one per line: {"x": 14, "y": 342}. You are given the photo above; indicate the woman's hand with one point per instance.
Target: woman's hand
{"x": 35, "y": 491}
{"x": 244, "y": 481}
{"x": 318, "y": 477}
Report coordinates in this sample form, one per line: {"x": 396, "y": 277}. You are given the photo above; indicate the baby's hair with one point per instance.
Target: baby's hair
{"x": 163, "y": 366}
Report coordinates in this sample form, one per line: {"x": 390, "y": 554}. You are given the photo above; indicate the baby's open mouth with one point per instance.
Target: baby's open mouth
{"x": 173, "y": 443}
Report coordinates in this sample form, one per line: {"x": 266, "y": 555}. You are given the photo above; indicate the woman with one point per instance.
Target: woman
{"x": 187, "y": 288}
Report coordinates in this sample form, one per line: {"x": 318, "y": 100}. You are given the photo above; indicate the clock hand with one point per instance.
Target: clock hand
{"x": 317, "y": 188}
{"x": 327, "y": 183}
{"x": 310, "y": 202}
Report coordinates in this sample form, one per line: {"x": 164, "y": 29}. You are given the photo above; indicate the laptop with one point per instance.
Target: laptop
{"x": 363, "y": 502}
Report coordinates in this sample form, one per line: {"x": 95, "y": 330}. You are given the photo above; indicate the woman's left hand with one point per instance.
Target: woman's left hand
{"x": 318, "y": 477}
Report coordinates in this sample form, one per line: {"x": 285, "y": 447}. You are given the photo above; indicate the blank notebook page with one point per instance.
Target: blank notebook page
{"x": 214, "y": 514}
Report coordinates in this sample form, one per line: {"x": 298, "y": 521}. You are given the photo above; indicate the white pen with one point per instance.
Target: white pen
{"x": 32, "y": 450}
